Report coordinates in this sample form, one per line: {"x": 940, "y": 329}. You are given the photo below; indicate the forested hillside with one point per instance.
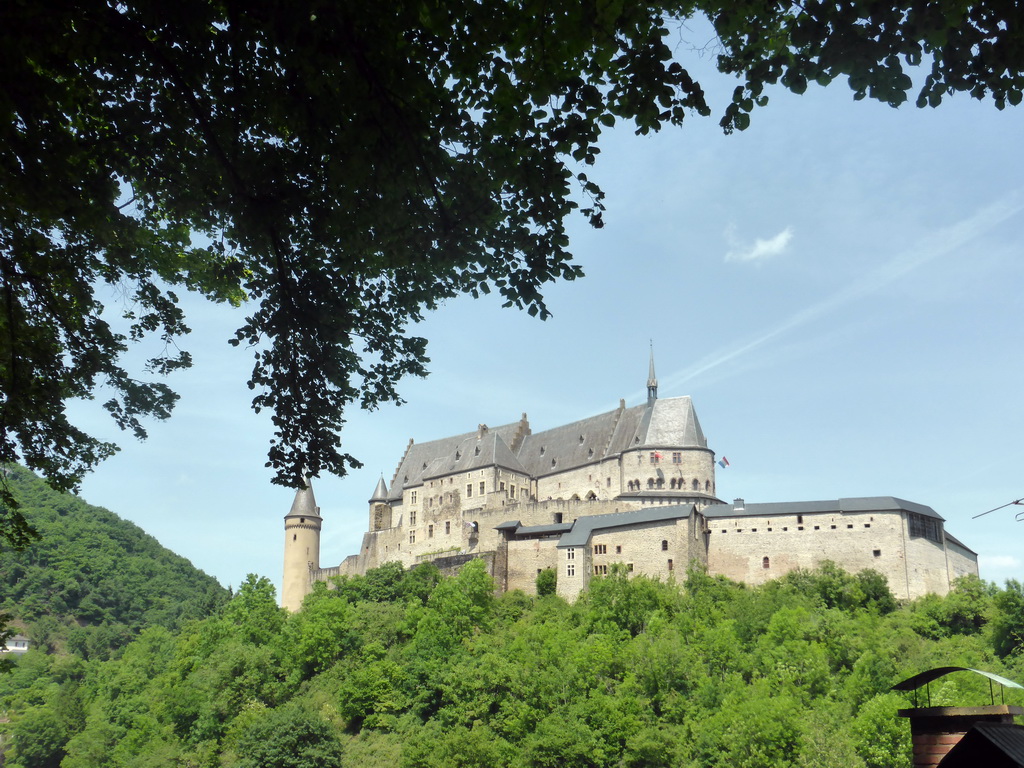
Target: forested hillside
{"x": 407, "y": 669}
{"x": 92, "y": 581}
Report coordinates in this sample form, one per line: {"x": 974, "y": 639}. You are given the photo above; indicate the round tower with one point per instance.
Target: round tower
{"x": 380, "y": 510}
{"x": 301, "y": 547}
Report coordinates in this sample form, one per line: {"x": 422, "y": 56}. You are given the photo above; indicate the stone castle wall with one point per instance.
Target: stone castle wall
{"x": 756, "y": 550}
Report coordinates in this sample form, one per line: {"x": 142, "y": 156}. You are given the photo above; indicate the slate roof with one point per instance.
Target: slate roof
{"x": 834, "y": 506}
{"x": 461, "y": 453}
{"x": 380, "y": 493}
{"x": 570, "y": 445}
{"x": 304, "y": 504}
{"x": 669, "y": 423}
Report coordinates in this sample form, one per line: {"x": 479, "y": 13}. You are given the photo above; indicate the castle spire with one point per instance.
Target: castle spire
{"x": 652, "y": 381}
{"x": 304, "y": 504}
{"x": 380, "y": 494}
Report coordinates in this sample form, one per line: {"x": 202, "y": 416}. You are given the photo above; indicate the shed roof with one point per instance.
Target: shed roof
{"x": 585, "y": 526}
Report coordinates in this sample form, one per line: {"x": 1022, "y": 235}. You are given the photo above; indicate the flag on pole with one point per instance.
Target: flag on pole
{"x": 723, "y": 462}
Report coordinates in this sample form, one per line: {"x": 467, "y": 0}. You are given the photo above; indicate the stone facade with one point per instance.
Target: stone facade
{"x": 904, "y": 541}
{"x": 634, "y": 486}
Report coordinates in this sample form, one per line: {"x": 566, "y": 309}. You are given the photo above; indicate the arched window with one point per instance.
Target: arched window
{"x": 672, "y": 483}
{"x": 650, "y": 482}
{"x": 660, "y": 482}
{"x": 696, "y": 485}
{"x": 707, "y": 485}
{"x": 664, "y": 545}
{"x": 765, "y": 563}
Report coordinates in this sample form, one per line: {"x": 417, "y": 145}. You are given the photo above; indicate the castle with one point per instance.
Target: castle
{"x": 636, "y": 486}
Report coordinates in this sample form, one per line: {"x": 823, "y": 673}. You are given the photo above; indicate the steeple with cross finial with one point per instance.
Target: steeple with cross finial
{"x": 652, "y": 381}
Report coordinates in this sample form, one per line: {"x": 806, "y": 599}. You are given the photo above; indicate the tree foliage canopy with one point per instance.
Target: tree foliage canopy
{"x": 343, "y": 167}
{"x": 387, "y": 671}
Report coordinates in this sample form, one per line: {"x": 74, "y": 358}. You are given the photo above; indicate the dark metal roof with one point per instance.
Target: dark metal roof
{"x": 585, "y": 526}
{"x": 833, "y": 506}
{"x": 993, "y": 745}
{"x": 923, "y": 678}
{"x": 543, "y": 530}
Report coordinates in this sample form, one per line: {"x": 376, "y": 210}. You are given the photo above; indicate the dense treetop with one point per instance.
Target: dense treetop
{"x": 408, "y": 669}
{"x": 93, "y": 581}
{"x": 344, "y": 167}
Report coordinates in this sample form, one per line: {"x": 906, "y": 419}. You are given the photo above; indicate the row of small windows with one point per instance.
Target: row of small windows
{"x": 799, "y": 528}
{"x": 430, "y": 529}
{"x": 675, "y": 484}
{"x": 481, "y": 489}
{"x": 655, "y": 457}
{"x": 602, "y": 570}
{"x": 451, "y": 480}
{"x": 602, "y": 549}
{"x": 766, "y": 562}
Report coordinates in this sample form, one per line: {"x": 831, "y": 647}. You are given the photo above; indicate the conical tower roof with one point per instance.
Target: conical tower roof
{"x": 380, "y": 494}
{"x": 304, "y": 504}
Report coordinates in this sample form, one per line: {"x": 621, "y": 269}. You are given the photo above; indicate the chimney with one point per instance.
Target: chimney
{"x": 934, "y": 731}
{"x": 738, "y": 504}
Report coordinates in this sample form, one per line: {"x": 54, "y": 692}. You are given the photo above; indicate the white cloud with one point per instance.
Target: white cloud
{"x": 1000, "y": 562}
{"x": 943, "y": 242}
{"x": 760, "y": 250}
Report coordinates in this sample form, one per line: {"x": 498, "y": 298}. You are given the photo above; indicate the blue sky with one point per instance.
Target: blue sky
{"x": 837, "y": 288}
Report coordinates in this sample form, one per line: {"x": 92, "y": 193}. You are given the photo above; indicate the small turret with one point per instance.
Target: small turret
{"x": 301, "y": 547}
{"x": 380, "y": 493}
{"x": 380, "y": 510}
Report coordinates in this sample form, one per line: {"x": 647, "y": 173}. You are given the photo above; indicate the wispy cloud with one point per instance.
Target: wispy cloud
{"x": 1001, "y": 562}
{"x": 940, "y": 243}
{"x": 760, "y": 250}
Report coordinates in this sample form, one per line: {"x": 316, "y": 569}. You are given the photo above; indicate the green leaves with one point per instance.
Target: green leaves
{"x": 344, "y": 168}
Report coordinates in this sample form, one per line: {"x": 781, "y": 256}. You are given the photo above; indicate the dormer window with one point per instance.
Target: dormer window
{"x": 542, "y": 449}
{"x": 553, "y": 462}
{"x": 477, "y": 451}
{"x": 590, "y": 453}
{"x": 458, "y": 455}
{"x": 581, "y": 439}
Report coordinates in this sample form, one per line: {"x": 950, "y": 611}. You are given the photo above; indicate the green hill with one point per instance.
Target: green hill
{"x": 93, "y": 581}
